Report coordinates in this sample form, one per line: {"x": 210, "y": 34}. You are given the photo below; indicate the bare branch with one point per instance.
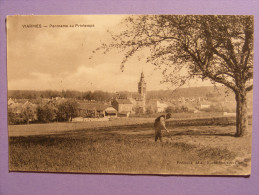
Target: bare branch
{"x": 249, "y": 88}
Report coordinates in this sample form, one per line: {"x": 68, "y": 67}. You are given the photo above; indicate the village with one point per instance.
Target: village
{"x": 59, "y": 109}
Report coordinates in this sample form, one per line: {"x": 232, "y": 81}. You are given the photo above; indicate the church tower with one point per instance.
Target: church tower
{"x": 142, "y": 86}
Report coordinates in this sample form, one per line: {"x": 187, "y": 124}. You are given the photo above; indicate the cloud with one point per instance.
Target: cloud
{"x": 106, "y": 77}
{"x": 57, "y": 58}
{"x": 54, "y": 50}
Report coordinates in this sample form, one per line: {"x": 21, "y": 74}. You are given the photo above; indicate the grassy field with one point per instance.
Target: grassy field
{"x": 197, "y": 146}
{"x": 54, "y": 128}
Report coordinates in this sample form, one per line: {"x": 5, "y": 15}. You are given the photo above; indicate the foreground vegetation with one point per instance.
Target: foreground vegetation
{"x": 200, "y": 146}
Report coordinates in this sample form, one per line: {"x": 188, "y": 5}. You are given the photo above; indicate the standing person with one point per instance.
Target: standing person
{"x": 159, "y": 125}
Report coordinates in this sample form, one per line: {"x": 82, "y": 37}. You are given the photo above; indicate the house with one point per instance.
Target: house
{"x": 10, "y": 101}
{"x": 23, "y": 110}
{"x": 157, "y": 106}
{"x": 96, "y": 110}
{"x": 123, "y": 106}
{"x": 204, "y": 106}
{"x": 110, "y": 112}
{"x": 124, "y": 114}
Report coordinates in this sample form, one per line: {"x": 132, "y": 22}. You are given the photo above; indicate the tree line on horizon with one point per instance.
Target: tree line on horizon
{"x": 108, "y": 96}
{"x": 49, "y": 94}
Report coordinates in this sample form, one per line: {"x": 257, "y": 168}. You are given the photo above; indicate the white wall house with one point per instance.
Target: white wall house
{"x": 157, "y": 106}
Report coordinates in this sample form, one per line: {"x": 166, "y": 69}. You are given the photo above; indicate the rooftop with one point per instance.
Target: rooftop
{"x": 93, "y": 106}
{"x": 123, "y": 101}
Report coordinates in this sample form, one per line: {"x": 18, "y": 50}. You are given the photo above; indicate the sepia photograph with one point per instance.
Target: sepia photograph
{"x": 130, "y": 94}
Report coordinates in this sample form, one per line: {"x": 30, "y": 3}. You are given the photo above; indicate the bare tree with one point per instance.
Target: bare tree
{"x": 218, "y": 48}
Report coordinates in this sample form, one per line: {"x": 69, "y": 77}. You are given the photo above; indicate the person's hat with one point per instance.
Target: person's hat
{"x": 169, "y": 115}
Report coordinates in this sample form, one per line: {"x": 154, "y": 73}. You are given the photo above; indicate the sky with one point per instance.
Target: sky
{"x": 61, "y": 58}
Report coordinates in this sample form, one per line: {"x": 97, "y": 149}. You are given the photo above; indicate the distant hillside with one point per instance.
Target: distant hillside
{"x": 189, "y": 92}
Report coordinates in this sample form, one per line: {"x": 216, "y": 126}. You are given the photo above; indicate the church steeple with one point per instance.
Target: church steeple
{"x": 142, "y": 85}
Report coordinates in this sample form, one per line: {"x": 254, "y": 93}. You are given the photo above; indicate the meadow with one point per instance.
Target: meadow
{"x": 193, "y": 146}
{"x": 61, "y": 127}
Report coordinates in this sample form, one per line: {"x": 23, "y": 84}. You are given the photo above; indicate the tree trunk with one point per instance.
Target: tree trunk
{"x": 241, "y": 113}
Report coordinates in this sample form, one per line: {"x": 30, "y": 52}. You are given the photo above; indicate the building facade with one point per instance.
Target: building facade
{"x": 157, "y": 106}
{"x": 123, "y": 106}
{"x": 126, "y": 105}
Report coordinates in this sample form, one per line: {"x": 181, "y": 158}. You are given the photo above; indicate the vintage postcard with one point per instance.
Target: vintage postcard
{"x": 130, "y": 94}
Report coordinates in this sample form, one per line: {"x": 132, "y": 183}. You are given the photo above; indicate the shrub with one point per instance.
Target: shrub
{"x": 177, "y": 109}
{"x": 46, "y": 113}
{"x": 67, "y": 110}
